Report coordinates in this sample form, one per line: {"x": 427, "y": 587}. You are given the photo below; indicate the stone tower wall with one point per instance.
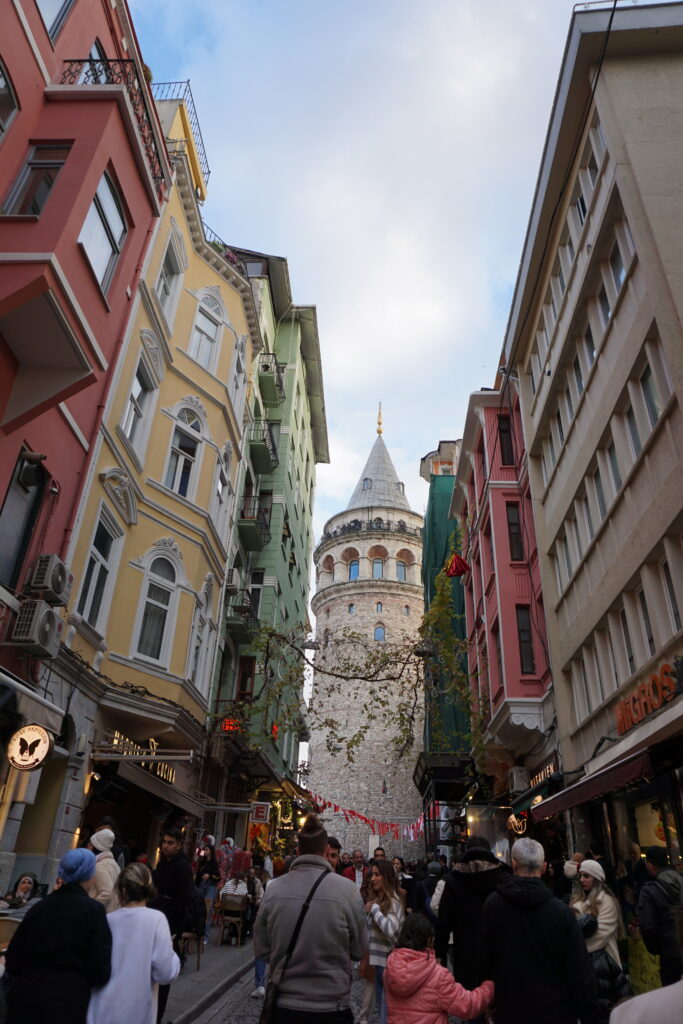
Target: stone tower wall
{"x": 376, "y": 766}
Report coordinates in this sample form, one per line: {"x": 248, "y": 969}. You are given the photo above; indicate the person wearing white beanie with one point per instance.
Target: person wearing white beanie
{"x": 103, "y": 886}
{"x": 591, "y": 896}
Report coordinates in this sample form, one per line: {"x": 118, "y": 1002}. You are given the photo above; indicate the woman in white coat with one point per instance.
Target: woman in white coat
{"x": 142, "y": 955}
{"x": 591, "y": 896}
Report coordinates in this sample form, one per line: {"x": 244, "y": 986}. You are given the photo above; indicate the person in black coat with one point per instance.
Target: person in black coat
{"x": 657, "y": 902}
{"x": 175, "y": 887}
{"x": 60, "y": 951}
{"x": 425, "y": 890}
{"x": 466, "y": 889}
{"x": 533, "y": 950}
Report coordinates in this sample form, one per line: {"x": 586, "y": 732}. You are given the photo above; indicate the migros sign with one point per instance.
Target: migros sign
{"x": 650, "y": 695}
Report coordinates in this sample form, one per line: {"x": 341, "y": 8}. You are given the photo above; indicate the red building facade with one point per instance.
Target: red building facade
{"x": 508, "y": 656}
{"x": 83, "y": 176}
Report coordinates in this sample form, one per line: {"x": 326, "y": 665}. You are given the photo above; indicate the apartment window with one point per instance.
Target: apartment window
{"x": 600, "y": 493}
{"x": 246, "y": 674}
{"x": 103, "y": 232}
{"x": 633, "y": 432}
{"x": 155, "y": 617}
{"x": 646, "y": 624}
{"x": 551, "y": 449}
{"x": 30, "y": 193}
{"x": 401, "y": 571}
{"x": 507, "y": 456}
{"x": 514, "y": 531}
{"x": 614, "y": 466}
{"x": 617, "y": 265}
{"x": 139, "y": 401}
{"x": 169, "y": 278}
{"x": 8, "y": 101}
{"x": 592, "y": 168}
{"x": 184, "y": 451}
{"x": 570, "y": 404}
{"x": 650, "y": 395}
{"x": 577, "y": 537}
{"x": 353, "y": 569}
{"x": 526, "y": 646}
{"x": 20, "y": 509}
{"x": 96, "y": 69}
{"x": 53, "y": 13}
{"x": 671, "y": 596}
{"x": 612, "y": 659}
{"x": 566, "y": 554}
{"x": 628, "y": 646}
{"x": 256, "y": 581}
{"x": 380, "y": 634}
{"x": 604, "y": 304}
{"x": 583, "y": 702}
{"x": 97, "y": 572}
{"x": 589, "y": 346}
{"x": 578, "y": 376}
{"x": 558, "y": 423}
{"x": 205, "y": 332}
{"x": 580, "y": 207}
{"x": 587, "y": 515}
{"x": 377, "y": 568}
{"x": 562, "y": 284}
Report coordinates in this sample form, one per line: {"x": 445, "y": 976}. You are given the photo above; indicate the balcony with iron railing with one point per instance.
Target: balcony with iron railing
{"x": 102, "y": 72}
{"x": 241, "y": 616}
{"x": 181, "y": 91}
{"x": 262, "y": 447}
{"x": 271, "y": 379}
{"x": 224, "y": 250}
{"x": 253, "y": 524}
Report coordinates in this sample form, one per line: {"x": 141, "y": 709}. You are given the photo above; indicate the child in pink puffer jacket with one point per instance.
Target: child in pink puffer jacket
{"x": 418, "y": 989}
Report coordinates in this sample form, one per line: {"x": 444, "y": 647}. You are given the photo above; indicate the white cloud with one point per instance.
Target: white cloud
{"x": 389, "y": 151}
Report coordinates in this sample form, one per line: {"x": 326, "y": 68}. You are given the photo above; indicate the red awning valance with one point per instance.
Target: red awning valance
{"x": 615, "y": 776}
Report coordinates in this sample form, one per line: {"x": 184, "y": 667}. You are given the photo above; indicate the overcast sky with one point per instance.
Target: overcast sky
{"x": 389, "y": 149}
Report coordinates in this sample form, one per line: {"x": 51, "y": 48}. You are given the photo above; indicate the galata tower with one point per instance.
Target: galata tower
{"x": 368, "y": 570}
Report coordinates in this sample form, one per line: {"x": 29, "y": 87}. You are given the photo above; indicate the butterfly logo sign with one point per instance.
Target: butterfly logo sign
{"x": 29, "y": 747}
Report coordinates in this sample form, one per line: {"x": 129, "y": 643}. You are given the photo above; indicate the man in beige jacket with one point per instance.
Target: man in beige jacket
{"x": 103, "y": 885}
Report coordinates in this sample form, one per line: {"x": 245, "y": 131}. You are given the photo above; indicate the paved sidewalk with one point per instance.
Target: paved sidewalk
{"x": 194, "y": 991}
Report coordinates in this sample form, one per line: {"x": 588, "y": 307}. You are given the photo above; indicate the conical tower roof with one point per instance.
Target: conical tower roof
{"x": 379, "y": 484}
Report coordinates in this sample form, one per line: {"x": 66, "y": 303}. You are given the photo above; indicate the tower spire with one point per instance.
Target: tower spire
{"x": 379, "y": 420}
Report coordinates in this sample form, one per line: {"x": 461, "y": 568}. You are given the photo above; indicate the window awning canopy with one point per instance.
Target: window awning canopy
{"x": 615, "y": 776}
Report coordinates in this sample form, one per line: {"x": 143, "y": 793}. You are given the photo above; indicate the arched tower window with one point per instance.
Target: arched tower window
{"x": 378, "y": 607}
{"x": 352, "y": 609}
{"x": 377, "y": 568}
{"x": 367, "y": 483}
{"x": 401, "y": 572}
{"x": 353, "y": 569}
{"x": 379, "y": 634}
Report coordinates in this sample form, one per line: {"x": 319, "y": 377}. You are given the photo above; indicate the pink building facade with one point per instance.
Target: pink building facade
{"x": 508, "y": 656}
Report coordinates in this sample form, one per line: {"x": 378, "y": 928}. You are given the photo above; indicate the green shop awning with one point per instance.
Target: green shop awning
{"x": 525, "y": 800}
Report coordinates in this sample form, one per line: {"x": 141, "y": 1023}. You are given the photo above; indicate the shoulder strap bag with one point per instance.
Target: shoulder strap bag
{"x": 273, "y": 986}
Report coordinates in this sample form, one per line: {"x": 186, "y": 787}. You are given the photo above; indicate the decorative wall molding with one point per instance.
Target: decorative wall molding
{"x": 118, "y": 486}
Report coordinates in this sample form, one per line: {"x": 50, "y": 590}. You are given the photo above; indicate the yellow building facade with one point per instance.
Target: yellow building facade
{"x": 151, "y": 544}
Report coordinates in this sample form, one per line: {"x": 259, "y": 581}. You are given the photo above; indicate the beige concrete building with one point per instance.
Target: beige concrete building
{"x": 595, "y": 346}
{"x": 369, "y": 583}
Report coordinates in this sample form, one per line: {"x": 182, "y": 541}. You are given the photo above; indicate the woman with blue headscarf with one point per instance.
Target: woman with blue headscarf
{"x": 60, "y": 951}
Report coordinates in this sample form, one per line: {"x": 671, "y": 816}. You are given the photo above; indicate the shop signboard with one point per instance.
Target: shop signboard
{"x": 659, "y": 689}
{"x": 28, "y": 747}
{"x": 260, "y": 811}
{"x": 543, "y": 771}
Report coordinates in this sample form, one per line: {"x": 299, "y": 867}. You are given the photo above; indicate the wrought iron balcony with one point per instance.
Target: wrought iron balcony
{"x": 262, "y": 447}
{"x": 181, "y": 91}
{"x": 87, "y": 71}
{"x": 253, "y": 524}
{"x": 271, "y": 379}
{"x": 224, "y": 250}
{"x": 241, "y": 616}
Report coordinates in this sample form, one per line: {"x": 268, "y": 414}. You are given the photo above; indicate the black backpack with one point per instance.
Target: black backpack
{"x": 195, "y": 914}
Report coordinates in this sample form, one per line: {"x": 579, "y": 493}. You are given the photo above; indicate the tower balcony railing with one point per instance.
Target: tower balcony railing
{"x": 376, "y": 525}
{"x": 88, "y": 71}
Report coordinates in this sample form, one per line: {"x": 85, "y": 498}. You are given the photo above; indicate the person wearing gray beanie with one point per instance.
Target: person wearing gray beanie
{"x": 61, "y": 950}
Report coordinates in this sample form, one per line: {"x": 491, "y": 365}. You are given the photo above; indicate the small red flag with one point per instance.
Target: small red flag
{"x": 456, "y": 566}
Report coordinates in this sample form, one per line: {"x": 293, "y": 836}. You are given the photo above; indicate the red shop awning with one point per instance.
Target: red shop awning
{"x": 615, "y": 776}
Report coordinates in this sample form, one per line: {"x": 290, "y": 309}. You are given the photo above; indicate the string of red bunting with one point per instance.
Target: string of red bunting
{"x": 378, "y": 828}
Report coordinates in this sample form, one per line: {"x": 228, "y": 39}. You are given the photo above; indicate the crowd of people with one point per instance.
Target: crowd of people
{"x": 477, "y": 939}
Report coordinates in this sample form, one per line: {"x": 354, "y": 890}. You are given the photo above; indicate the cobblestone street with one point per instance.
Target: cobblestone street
{"x": 237, "y": 1006}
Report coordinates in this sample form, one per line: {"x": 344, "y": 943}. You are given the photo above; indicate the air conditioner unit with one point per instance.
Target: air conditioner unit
{"x": 51, "y": 579}
{"x": 38, "y": 628}
{"x": 518, "y": 779}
